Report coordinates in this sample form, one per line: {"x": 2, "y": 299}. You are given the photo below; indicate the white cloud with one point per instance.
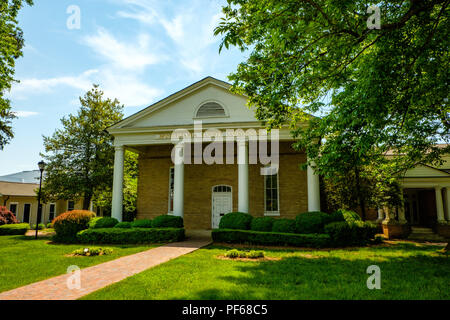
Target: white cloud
{"x": 134, "y": 55}
{"x": 25, "y": 114}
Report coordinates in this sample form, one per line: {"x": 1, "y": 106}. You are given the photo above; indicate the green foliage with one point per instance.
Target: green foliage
{"x": 262, "y": 224}
{"x": 130, "y": 236}
{"x": 347, "y": 233}
{"x": 311, "y": 222}
{"x": 234, "y": 253}
{"x": 11, "y": 44}
{"x": 68, "y": 224}
{"x": 376, "y": 91}
{"x": 49, "y": 225}
{"x": 271, "y": 238}
{"x": 284, "y": 226}
{"x": 14, "y": 229}
{"x": 124, "y": 225}
{"x": 144, "y": 223}
{"x": 41, "y": 226}
{"x": 92, "y": 252}
{"x": 103, "y": 222}
{"x": 166, "y": 221}
{"x": 344, "y": 215}
{"x": 80, "y": 155}
{"x": 236, "y": 220}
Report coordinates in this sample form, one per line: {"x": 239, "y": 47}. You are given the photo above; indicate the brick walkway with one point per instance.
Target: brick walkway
{"x": 102, "y": 275}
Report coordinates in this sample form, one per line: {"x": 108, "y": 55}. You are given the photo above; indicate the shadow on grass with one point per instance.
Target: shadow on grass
{"x": 407, "y": 272}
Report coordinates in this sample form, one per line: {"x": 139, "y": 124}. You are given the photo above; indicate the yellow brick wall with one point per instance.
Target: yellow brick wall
{"x": 153, "y": 186}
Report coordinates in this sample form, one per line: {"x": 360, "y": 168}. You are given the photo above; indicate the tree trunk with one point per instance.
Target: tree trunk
{"x": 361, "y": 199}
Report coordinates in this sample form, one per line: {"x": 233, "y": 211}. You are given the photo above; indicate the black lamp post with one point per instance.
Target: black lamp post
{"x": 41, "y": 166}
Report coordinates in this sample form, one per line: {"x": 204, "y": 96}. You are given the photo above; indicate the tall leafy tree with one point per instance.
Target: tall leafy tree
{"x": 11, "y": 45}
{"x": 377, "y": 90}
{"x": 80, "y": 156}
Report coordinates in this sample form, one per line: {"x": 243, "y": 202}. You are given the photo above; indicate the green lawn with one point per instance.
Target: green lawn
{"x": 24, "y": 260}
{"x": 408, "y": 271}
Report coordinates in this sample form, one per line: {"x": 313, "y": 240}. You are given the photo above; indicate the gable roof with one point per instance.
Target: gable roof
{"x": 171, "y": 98}
{"x": 22, "y": 177}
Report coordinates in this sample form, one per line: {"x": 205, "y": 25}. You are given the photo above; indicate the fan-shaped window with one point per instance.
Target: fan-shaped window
{"x": 222, "y": 189}
{"x": 210, "y": 109}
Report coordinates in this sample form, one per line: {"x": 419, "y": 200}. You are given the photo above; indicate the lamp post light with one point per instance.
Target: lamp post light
{"x": 41, "y": 166}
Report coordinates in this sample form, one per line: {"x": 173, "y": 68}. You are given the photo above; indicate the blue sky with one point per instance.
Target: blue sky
{"x": 138, "y": 51}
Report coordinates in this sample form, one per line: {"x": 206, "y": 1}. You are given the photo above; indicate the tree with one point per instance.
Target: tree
{"x": 377, "y": 91}
{"x": 11, "y": 45}
{"x": 103, "y": 198}
{"x": 80, "y": 156}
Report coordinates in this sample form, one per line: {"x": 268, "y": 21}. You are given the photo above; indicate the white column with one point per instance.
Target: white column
{"x": 117, "y": 196}
{"x": 447, "y": 202}
{"x": 380, "y": 215}
{"x": 313, "y": 190}
{"x": 243, "y": 176}
{"x": 439, "y": 204}
{"x": 178, "y": 183}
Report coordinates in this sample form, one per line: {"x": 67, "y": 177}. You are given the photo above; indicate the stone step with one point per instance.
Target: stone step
{"x": 421, "y": 230}
{"x": 425, "y": 236}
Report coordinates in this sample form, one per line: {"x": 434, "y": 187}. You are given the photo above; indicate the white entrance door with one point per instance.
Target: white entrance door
{"x": 222, "y": 203}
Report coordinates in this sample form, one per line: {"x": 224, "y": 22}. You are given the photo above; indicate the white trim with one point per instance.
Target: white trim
{"x": 212, "y": 199}
{"x": 225, "y": 110}
{"x": 272, "y": 213}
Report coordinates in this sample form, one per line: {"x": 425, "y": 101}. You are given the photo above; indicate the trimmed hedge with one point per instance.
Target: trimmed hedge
{"x": 344, "y": 215}
{"x": 103, "y": 222}
{"x": 167, "y": 221}
{"x": 271, "y": 238}
{"x": 284, "y": 226}
{"x": 130, "y": 236}
{"x": 262, "y": 224}
{"x": 351, "y": 233}
{"x": 14, "y": 229}
{"x": 236, "y": 220}
{"x": 144, "y": 223}
{"x": 311, "y": 222}
{"x": 123, "y": 225}
{"x": 68, "y": 224}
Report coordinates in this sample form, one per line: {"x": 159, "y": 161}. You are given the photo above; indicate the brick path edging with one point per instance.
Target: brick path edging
{"x": 101, "y": 275}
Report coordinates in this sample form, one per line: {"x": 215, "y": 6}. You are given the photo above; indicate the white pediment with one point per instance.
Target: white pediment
{"x": 425, "y": 171}
{"x": 181, "y": 108}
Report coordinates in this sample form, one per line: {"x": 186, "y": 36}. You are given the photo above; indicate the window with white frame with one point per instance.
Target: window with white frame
{"x": 171, "y": 181}
{"x": 51, "y": 211}
{"x": 271, "y": 186}
{"x": 70, "y": 205}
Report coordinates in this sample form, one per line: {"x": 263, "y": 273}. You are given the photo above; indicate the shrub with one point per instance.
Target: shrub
{"x": 344, "y": 215}
{"x": 255, "y": 254}
{"x": 144, "y": 223}
{"x": 93, "y": 251}
{"x": 41, "y": 226}
{"x": 284, "y": 226}
{"x": 103, "y": 222}
{"x": 232, "y": 254}
{"x": 123, "y": 225}
{"x": 166, "y": 221}
{"x": 49, "y": 225}
{"x": 271, "y": 238}
{"x": 311, "y": 222}
{"x": 68, "y": 224}
{"x": 14, "y": 229}
{"x": 7, "y": 217}
{"x": 345, "y": 233}
{"x": 236, "y": 220}
{"x": 262, "y": 224}
{"x": 130, "y": 236}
